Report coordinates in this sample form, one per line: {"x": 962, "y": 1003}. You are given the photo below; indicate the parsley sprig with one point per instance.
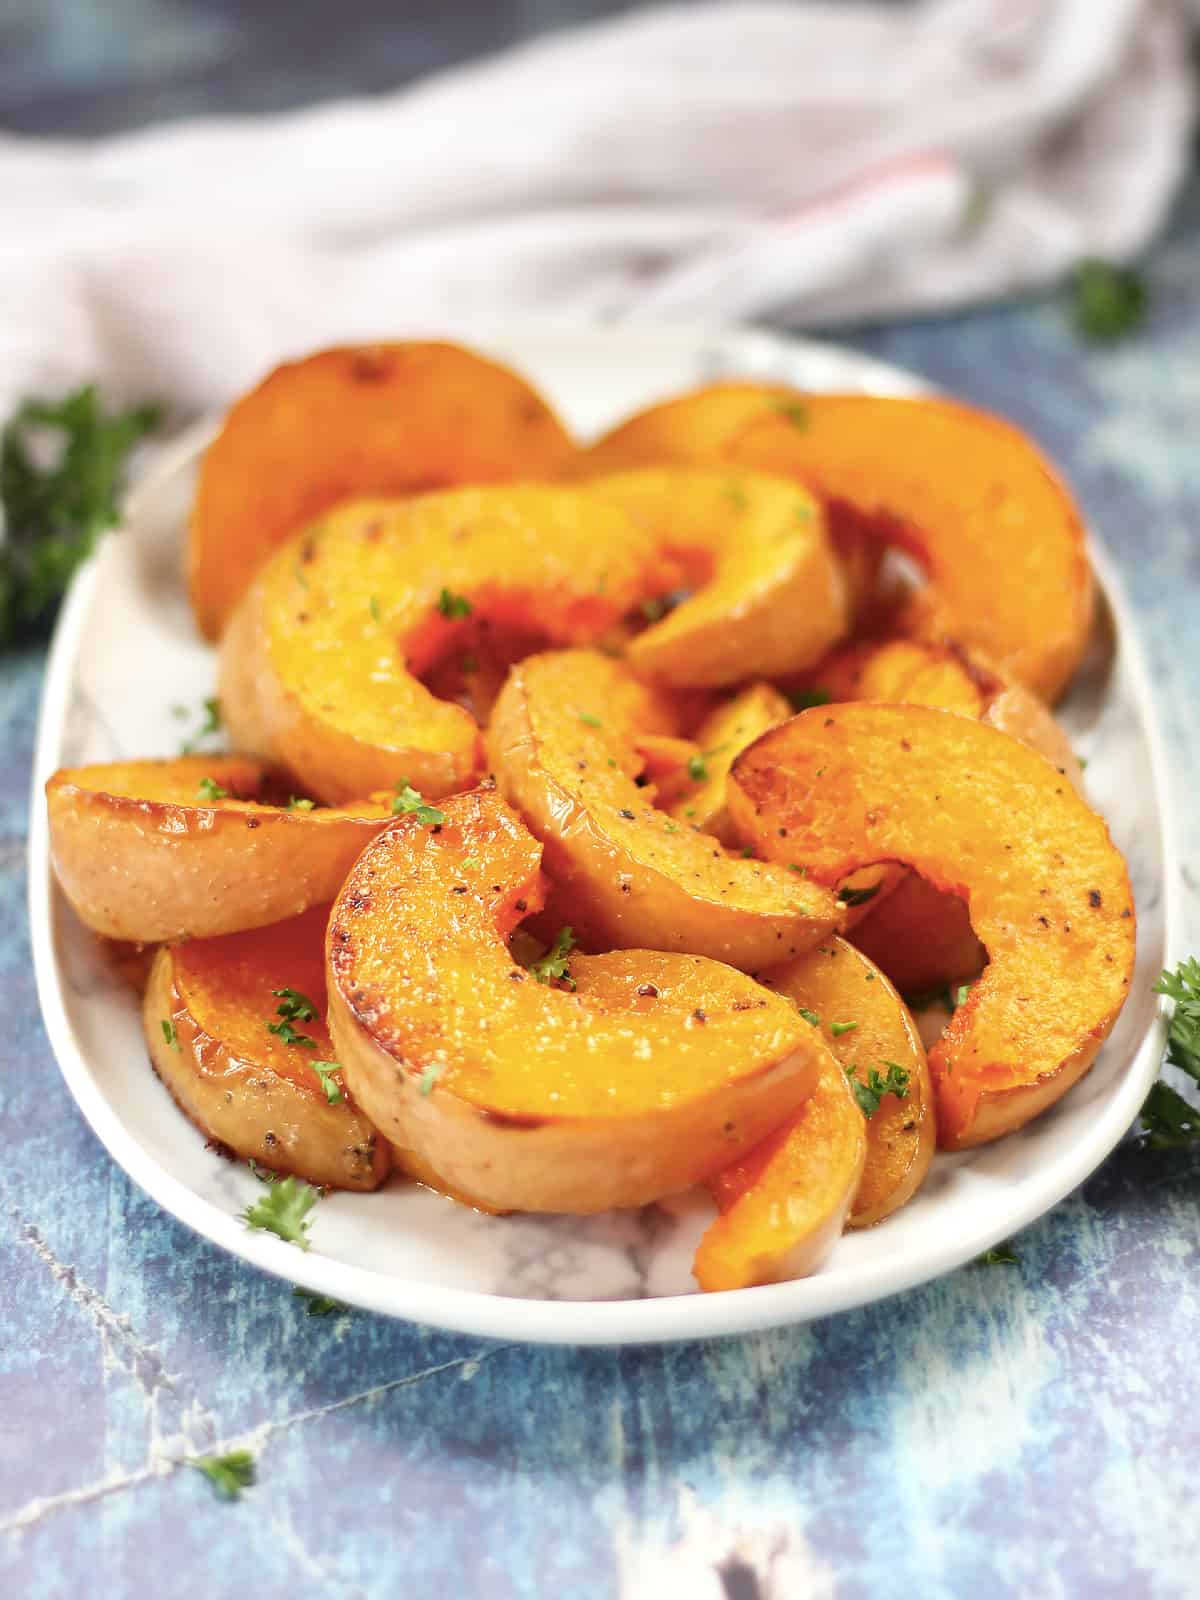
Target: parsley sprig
{"x": 1000, "y": 1255}
{"x": 293, "y": 1007}
{"x": 209, "y": 790}
{"x": 325, "y": 1070}
{"x": 210, "y": 724}
{"x": 229, "y": 1474}
{"x": 870, "y": 1093}
{"x": 318, "y": 1305}
{"x": 453, "y": 605}
{"x": 284, "y": 1211}
{"x": 410, "y": 802}
{"x": 1169, "y": 1122}
{"x": 52, "y": 514}
{"x": 554, "y": 965}
{"x": 1108, "y": 302}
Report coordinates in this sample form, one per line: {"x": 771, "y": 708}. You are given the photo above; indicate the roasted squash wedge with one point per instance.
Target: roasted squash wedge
{"x": 207, "y": 1014}
{"x": 698, "y": 794}
{"x": 965, "y": 493}
{"x": 770, "y": 597}
{"x": 321, "y": 666}
{"x": 981, "y": 815}
{"x": 563, "y": 748}
{"x": 868, "y": 1028}
{"x": 921, "y": 936}
{"x": 188, "y": 848}
{"x": 787, "y": 1200}
{"x": 634, "y": 1076}
{"x": 352, "y": 423}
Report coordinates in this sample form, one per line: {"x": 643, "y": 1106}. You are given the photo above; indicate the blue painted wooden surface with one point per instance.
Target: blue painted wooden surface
{"x": 1009, "y": 1431}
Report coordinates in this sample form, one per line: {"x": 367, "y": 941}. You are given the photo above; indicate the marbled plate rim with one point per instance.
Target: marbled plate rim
{"x": 492, "y": 1315}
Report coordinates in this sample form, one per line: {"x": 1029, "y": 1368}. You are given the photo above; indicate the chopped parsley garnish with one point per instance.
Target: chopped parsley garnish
{"x": 284, "y": 1211}
{"x": 325, "y": 1070}
{"x": 168, "y": 1032}
{"x": 554, "y": 964}
{"x": 1000, "y": 1255}
{"x": 373, "y": 606}
{"x": 228, "y": 1474}
{"x": 810, "y": 1016}
{"x": 736, "y": 495}
{"x": 468, "y": 664}
{"x": 653, "y": 610}
{"x": 408, "y": 801}
{"x": 453, "y": 605}
{"x": 837, "y": 1029}
{"x": 857, "y": 897}
{"x": 209, "y": 789}
{"x": 801, "y": 872}
{"x": 1107, "y": 301}
{"x": 589, "y": 720}
{"x": 300, "y": 803}
{"x": 471, "y": 864}
{"x": 1169, "y": 1122}
{"x": 793, "y": 411}
{"x": 52, "y": 514}
{"x": 697, "y": 768}
{"x": 210, "y": 725}
{"x": 806, "y": 699}
{"x": 870, "y": 1093}
{"x": 430, "y": 1076}
{"x": 747, "y": 852}
{"x": 318, "y": 1305}
{"x": 294, "y": 1007}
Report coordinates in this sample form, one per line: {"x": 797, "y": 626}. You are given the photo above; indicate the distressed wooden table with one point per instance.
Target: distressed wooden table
{"x": 1008, "y": 1431}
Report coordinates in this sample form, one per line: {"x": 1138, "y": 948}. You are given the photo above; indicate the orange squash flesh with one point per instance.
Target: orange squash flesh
{"x": 771, "y": 598}
{"x": 321, "y": 664}
{"x": 563, "y": 748}
{"x": 724, "y": 733}
{"x": 142, "y": 854}
{"x": 921, "y": 936}
{"x": 367, "y": 420}
{"x": 637, "y": 1083}
{"x": 838, "y": 984}
{"x": 966, "y": 494}
{"x": 243, "y": 1085}
{"x": 793, "y": 1193}
{"x": 981, "y": 815}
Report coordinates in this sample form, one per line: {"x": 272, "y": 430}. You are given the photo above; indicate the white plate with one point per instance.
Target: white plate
{"x": 125, "y": 651}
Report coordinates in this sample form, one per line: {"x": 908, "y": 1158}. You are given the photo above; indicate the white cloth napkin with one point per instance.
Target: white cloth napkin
{"x": 810, "y": 161}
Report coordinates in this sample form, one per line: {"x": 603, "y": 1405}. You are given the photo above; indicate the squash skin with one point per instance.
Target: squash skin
{"x": 238, "y": 1083}
{"x": 142, "y": 858}
{"x": 771, "y": 598}
{"x": 351, "y": 422}
{"x": 996, "y": 824}
{"x": 788, "y": 1199}
{"x": 839, "y": 984}
{"x": 625, "y": 873}
{"x": 962, "y": 491}
{"x": 637, "y": 1084}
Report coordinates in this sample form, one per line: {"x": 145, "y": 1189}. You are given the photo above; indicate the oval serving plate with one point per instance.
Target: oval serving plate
{"x": 126, "y": 652}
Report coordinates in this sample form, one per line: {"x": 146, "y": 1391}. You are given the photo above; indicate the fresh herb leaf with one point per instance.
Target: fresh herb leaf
{"x": 454, "y": 605}
{"x": 168, "y": 1032}
{"x": 52, "y": 514}
{"x": 325, "y": 1070}
{"x": 589, "y": 720}
{"x": 747, "y": 852}
{"x": 1169, "y": 1122}
{"x": 408, "y": 801}
{"x": 736, "y": 495}
{"x": 373, "y": 607}
{"x": 653, "y": 610}
{"x": 468, "y": 664}
{"x": 1183, "y": 1037}
{"x": 318, "y": 1305}
{"x": 210, "y": 725}
{"x": 299, "y": 803}
{"x": 800, "y": 871}
{"x": 554, "y": 964}
{"x": 810, "y": 1016}
{"x": 295, "y": 1005}
{"x": 793, "y": 411}
{"x": 837, "y": 1029}
{"x": 870, "y": 1093}
{"x": 290, "y": 1035}
{"x": 471, "y": 864}
{"x": 1000, "y": 1255}
{"x": 858, "y": 897}
{"x": 430, "y": 1076}
{"x": 284, "y": 1211}
{"x": 209, "y": 790}
{"x": 697, "y": 768}
{"x": 806, "y": 699}
{"x": 1107, "y": 301}
{"x": 228, "y": 1474}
